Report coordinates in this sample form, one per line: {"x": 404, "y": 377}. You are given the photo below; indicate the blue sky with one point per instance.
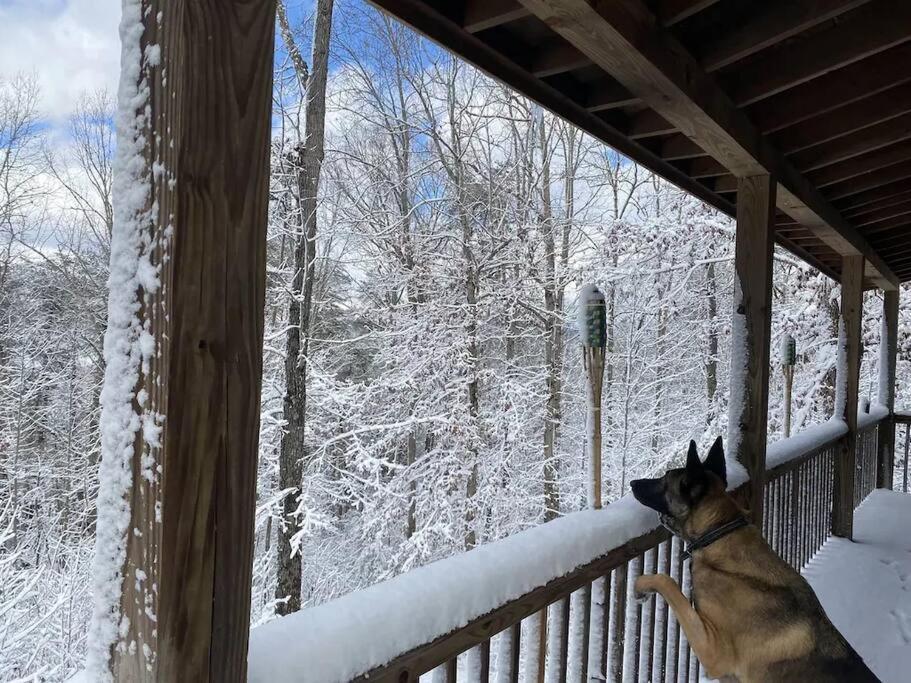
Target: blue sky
{"x": 71, "y": 46}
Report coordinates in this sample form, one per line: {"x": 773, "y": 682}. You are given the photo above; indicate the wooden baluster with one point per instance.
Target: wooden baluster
{"x": 779, "y": 517}
{"x": 795, "y": 518}
{"x": 603, "y": 642}
{"x": 801, "y": 501}
{"x": 652, "y": 563}
{"x": 452, "y": 671}
{"x": 687, "y": 584}
{"x": 485, "y": 661}
{"x": 564, "y": 637}
{"x": 819, "y": 503}
{"x": 515, "y": 651}
{"x": 907, "y": 442}
{"x": 679, "y": 640}
{"x": 617, "y": 623}
{"x": 665, "y": 559}
{"x": 586, "y": 632}
{"x": 634, "y": 632}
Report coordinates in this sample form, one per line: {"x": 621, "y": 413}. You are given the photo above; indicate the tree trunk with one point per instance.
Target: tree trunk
{"x": 711, "y": 363}
{"x": 293, "y": 446}
{"x": 551, "y": 325}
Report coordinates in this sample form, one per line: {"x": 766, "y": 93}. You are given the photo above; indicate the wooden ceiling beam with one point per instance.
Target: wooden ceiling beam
{"x": 861, "y": 165}
{"x": 861, "y": 212}
{"x": 872, "y": 218}
{"x": 705, "y": 167}
{"x": 623, "y": 39}
{"x": 608, "y": 94}
{"x": 649, "y": 124}
{"x": 557, "y": 58}
{"x": 856, "y": 116}
{"x": 873, "y": 28}
{"x": 671, "y": 12}
{"x": 772, "y": 23}
{"x": 868, "y": 140}
{"x": 870, "y": 181}
{"x": 834, "y": 90}
{"x": 481, "y": 15}
{"x": 885, "y": 225}
{"x": 868, "y": 198}
{"x": 678, "y": 147}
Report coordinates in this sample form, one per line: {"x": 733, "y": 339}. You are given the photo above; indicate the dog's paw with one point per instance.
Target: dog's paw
{"x": 642, "y": 598}
{"x": 643, "y": 588}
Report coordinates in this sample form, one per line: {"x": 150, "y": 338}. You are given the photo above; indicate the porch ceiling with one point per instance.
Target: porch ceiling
{"x": 816, "y": 92}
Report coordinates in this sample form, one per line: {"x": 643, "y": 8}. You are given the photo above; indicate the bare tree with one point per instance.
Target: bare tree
{"x": 309, "y": 159}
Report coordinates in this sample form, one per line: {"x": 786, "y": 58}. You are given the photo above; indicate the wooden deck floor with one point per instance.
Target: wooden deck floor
{"x": 865, "y": 585}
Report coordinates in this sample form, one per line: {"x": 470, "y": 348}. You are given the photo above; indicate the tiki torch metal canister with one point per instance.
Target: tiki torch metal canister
{"x": 593, "y": 331}
{"x": 788, "y": 361}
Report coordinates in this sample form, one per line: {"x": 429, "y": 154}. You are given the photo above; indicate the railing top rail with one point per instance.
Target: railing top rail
{"x": 464, "y": 598}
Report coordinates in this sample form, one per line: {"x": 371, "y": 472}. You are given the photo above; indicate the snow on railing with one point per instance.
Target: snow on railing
{"x": 347, "y": 637}
{"x": 351, "y": 635}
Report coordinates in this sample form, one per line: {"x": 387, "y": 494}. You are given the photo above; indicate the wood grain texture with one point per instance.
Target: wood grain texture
{"x": 753, "y": 266}
{"x": 209, "y": 130}
{"x": 852, "y": 275}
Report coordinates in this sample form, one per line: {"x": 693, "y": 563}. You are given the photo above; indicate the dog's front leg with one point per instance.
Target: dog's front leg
{"x": 696, "y": 633}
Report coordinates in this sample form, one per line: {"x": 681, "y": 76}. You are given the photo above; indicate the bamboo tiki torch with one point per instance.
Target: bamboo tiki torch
{"x": 788, "y": 360}
{"x": 593, "y": 330}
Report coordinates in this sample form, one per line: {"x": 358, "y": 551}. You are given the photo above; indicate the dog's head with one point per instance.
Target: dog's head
{"x": 681, "y": 492}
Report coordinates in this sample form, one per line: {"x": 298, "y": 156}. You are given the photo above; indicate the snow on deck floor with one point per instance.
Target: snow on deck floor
{"x": 865, "y": 585}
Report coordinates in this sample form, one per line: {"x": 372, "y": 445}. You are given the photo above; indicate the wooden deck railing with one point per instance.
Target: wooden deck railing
{"x": 587, "y": 626}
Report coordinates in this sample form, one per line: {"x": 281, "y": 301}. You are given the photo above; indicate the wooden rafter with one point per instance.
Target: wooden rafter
{"x": 480, "y": 15}
{"x": 772, "y": 23}
{"x": 871, "y": 196}
{"x": 862, "y": 33}
{"x": 871, "y": 139}
{"x": 671, "y": 12}
{"x": 862, "y": 165}
{"x": 851, "y": 118}
{"x": 833, "y": 90}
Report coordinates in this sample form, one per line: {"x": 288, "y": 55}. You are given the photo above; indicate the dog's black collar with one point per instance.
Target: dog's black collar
{"x": 710, "y": 537}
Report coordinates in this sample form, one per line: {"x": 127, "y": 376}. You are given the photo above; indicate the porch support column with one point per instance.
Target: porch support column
{"x": 847, "y": 381}
{"x": 181, "y": 400}
{"x": 751, "y": 324}
{"x": 888, "y": 346}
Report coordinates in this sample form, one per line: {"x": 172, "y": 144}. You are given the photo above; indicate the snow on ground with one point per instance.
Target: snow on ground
{"x": 865, "y": 585}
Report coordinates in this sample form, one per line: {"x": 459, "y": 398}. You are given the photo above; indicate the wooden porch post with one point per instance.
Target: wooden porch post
{"x": 847, "y": 380}
{"x": 199, "y": 129}
{"x": 887, "y": 356}
{"x": 748, "y": 412}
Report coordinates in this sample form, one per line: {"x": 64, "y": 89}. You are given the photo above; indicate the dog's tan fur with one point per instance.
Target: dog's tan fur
{"x": 753, "y": 618}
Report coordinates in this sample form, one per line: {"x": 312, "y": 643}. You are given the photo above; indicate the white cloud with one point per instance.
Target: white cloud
{"x": 71, "y": 45}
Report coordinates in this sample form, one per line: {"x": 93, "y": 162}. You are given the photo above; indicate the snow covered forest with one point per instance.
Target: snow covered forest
{"x": 422, "y": 369}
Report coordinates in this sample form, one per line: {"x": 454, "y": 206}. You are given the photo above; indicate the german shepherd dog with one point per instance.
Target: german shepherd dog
{"x": 753, "y": 618}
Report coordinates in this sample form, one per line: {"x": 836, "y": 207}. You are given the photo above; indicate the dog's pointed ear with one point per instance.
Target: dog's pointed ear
{"x": 693, "y": 464}
{"x": 714, "y": 461}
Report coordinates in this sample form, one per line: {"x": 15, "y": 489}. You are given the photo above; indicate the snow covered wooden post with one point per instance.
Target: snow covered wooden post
{"x": 180, "y": 404}
{"x": 848, "y": 381}
{"x": 750, "y": 331}
{"x": 593, "y": 331}
{"x": 888, "y": 346}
